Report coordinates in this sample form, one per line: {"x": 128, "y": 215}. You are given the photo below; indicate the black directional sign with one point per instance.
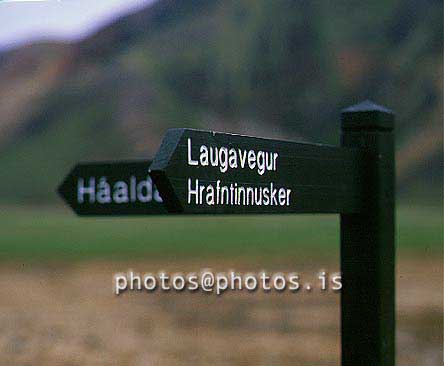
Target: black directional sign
{"x": 114, "y": 188}
{"x": 209, "y": 172}
{"x": 218, "y": 173}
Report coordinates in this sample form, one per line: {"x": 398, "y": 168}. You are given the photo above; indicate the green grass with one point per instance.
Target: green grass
{"x": 54, "y": 235}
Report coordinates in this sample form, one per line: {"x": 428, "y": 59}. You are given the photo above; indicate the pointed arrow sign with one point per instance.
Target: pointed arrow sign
{"x": 111, "y": 189}
{"x": 209, "y": 172}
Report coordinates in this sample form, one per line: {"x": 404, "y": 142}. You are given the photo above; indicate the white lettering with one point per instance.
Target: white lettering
{"x": 82, "y": 190}
{"x": 193, "y": 191}
{"x": 225, "y": 158}
{"x": 237, "y": 195}
{"x": 120, "y": 194}
{"x": 104, "y": 191}
{"x": 190, "y": 159}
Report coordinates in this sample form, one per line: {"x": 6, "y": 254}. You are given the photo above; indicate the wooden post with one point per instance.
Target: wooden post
{"x": 368, "y": 243}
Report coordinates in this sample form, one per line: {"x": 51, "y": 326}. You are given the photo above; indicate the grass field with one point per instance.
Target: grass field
{"x": 57, "y": 305}
{"x": 48, "y": 234}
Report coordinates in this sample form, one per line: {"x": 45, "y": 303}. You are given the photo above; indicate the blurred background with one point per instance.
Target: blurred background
{"x": 83, "y": 82}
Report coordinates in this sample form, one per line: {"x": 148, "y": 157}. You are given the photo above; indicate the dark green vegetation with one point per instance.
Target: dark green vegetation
{"x": 54, "y": 235}
{"x": 268, "y": 68}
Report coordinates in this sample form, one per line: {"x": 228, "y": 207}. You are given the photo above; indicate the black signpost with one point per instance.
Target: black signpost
{"x": 111, "y": 189}
{"x": 201, "y": 172}
{"x": 368, "y": 243}
{"x": 208, "y": 172}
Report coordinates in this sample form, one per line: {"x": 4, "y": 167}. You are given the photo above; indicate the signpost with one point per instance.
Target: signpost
{"x": 368, "y": 243}
{"x": 200, "y": 172}
{"x": 208, "y": 172}
{"x": 110, "y": 189}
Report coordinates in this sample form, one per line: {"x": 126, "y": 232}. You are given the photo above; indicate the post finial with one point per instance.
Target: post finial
{"x": 367, "y": 115}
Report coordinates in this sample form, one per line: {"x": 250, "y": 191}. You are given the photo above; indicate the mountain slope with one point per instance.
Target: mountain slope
{"x": 281, "y": 69}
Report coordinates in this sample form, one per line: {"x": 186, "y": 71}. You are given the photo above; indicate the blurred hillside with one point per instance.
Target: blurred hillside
{"x": 273, "y": 69}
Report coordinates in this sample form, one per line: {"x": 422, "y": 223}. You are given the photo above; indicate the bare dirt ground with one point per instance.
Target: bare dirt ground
{"x": 68, "y": 315}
